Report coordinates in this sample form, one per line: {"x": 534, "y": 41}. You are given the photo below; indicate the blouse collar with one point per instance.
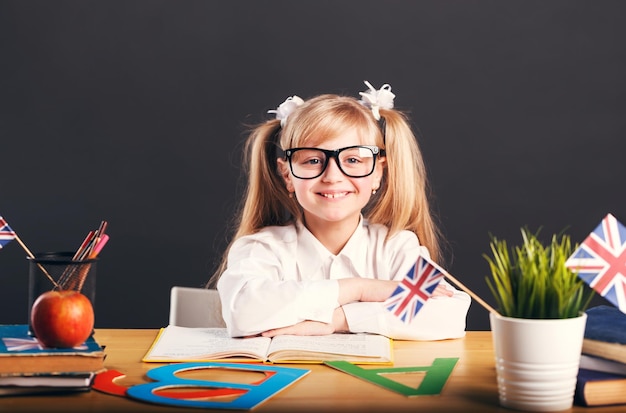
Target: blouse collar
{"x": 311, "y": 252}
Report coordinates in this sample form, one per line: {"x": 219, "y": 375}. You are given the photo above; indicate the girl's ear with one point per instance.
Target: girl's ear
{"x": 381, "y": 164}
{"x": 283, "y": 170}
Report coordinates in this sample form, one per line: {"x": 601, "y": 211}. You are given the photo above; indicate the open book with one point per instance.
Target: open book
{"x": 185, "y": 344}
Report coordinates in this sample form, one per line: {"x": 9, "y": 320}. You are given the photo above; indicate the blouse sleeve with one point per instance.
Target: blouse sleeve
{"x": 439, "y": 318}
{"x": 254, "y": 284}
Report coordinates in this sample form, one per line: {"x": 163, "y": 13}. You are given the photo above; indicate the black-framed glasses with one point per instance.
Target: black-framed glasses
{"x": 353, "y": 161}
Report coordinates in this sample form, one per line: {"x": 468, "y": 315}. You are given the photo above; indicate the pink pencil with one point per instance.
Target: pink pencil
{"x": 101, "y": 242}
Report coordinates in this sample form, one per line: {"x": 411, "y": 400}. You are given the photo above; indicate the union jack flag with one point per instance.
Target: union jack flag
{"x": 22, "y": 344}
{"x": 29, "y": 344}
{"x": 601, "y": 261}
{"x": 6, "y": 233}
{"x": 416, "y": 287}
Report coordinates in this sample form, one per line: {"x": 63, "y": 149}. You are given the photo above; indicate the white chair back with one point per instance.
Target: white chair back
{"x": 195, "y": 307}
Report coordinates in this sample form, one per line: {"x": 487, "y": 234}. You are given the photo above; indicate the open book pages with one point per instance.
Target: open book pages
{"x": 185, "y": 344}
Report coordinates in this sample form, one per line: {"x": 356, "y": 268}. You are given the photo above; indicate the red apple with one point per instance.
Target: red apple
{"x": 62, "y": 319}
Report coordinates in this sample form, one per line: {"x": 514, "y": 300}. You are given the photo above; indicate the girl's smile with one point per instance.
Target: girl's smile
{"x": 335, "y": 195}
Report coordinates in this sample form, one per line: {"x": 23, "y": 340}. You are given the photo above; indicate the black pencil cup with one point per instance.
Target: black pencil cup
{"x": 56, "y": 270}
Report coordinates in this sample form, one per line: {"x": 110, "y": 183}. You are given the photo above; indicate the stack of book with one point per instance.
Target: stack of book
{"x": 26, "y": 367}
{"x": 602, "y": 373}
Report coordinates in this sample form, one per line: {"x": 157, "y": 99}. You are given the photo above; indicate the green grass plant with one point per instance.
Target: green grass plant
{"x": 532, "y": 281}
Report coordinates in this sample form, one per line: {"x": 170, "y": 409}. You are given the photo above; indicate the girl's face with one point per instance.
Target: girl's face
{"x": 333, "y": 198}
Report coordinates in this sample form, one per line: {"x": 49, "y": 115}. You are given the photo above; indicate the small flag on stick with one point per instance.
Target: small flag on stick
{"x": 6, "y": 233}
{"x": 601, "y": 261}
{"x": 415, "y": 289}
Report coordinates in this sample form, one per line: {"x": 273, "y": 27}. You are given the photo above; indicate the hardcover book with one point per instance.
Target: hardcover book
{"x": 177, "y": 344}
{"x": 597, "y": 388}
{"x": 21, "y": 353}
{"x": 605, "y": 333}
{"x": 38, "y": 390}
{"x": 31, "y": 384}
{"x": 601, "y": 364}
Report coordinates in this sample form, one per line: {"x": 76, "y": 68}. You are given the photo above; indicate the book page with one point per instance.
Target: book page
{"x": 354, "y": 346}
{"x": 611, "y": 351}
{"x": 193, "y": 344}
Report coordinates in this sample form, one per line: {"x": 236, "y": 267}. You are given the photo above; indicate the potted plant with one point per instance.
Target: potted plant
{"x": 539, "y": 327}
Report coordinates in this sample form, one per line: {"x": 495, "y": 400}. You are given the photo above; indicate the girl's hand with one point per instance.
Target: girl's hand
{"x": 361, "y": 289}
{"x": 304, "y": 328}
{"x": 442, "y": 291}
{"x": 313, "y": 328}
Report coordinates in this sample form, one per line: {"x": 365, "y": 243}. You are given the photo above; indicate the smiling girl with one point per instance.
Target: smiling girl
{"x": 334, "y": 216}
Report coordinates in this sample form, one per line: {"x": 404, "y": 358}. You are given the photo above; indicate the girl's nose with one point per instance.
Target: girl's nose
{"x": 332, "y": 172}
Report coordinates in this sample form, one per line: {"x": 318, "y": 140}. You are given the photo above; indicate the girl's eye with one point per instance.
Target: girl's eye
{"x": 312, "y": 161}
{"x": 352, "y": 160}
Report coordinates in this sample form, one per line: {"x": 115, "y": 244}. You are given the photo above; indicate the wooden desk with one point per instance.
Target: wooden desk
{"x": 470, "y": 388}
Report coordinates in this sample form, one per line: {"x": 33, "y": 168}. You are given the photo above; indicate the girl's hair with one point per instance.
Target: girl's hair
{"x": 401, "y": 202}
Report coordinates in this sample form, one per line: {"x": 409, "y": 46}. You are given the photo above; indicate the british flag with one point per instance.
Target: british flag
{"x": 416, "y": 287}
{"x": 6, "y": 233}
{"x": 29, "y": 344}
{"x": 601, "y": 261}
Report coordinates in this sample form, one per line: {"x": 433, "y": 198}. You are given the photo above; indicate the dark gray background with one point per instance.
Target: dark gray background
{"x": 135, "y": 112}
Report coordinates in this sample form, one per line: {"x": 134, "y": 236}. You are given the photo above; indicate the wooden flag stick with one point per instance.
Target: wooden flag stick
{"x": 474, "y": 296}
{"x": 30, "y": 254}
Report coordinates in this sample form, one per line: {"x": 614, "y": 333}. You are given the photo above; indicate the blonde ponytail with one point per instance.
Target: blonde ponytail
{"x": 402, "y": 204}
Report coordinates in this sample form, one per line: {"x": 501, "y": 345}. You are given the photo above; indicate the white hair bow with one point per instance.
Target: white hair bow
{"x": 377, "y": 99}
{"x": 286, "y": 108}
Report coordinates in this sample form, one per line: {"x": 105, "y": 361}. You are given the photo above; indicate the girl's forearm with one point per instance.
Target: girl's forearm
{"x": 361, "y": 289}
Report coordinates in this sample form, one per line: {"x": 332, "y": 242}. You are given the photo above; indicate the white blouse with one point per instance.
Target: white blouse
{"x": 283, "y": 275}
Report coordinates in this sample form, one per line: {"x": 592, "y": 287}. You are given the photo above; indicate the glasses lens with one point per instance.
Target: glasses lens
{"x": 355, "y": 162}
{"x": 307, "y": 163}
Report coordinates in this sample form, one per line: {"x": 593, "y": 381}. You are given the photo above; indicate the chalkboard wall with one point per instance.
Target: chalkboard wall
{"x": 135, "y": 112}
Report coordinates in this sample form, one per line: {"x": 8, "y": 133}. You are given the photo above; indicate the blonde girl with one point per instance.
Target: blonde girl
{"x": 334, "y": 215}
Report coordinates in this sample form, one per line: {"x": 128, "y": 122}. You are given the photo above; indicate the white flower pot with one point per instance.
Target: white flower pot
{"x": 537, "y": 361}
